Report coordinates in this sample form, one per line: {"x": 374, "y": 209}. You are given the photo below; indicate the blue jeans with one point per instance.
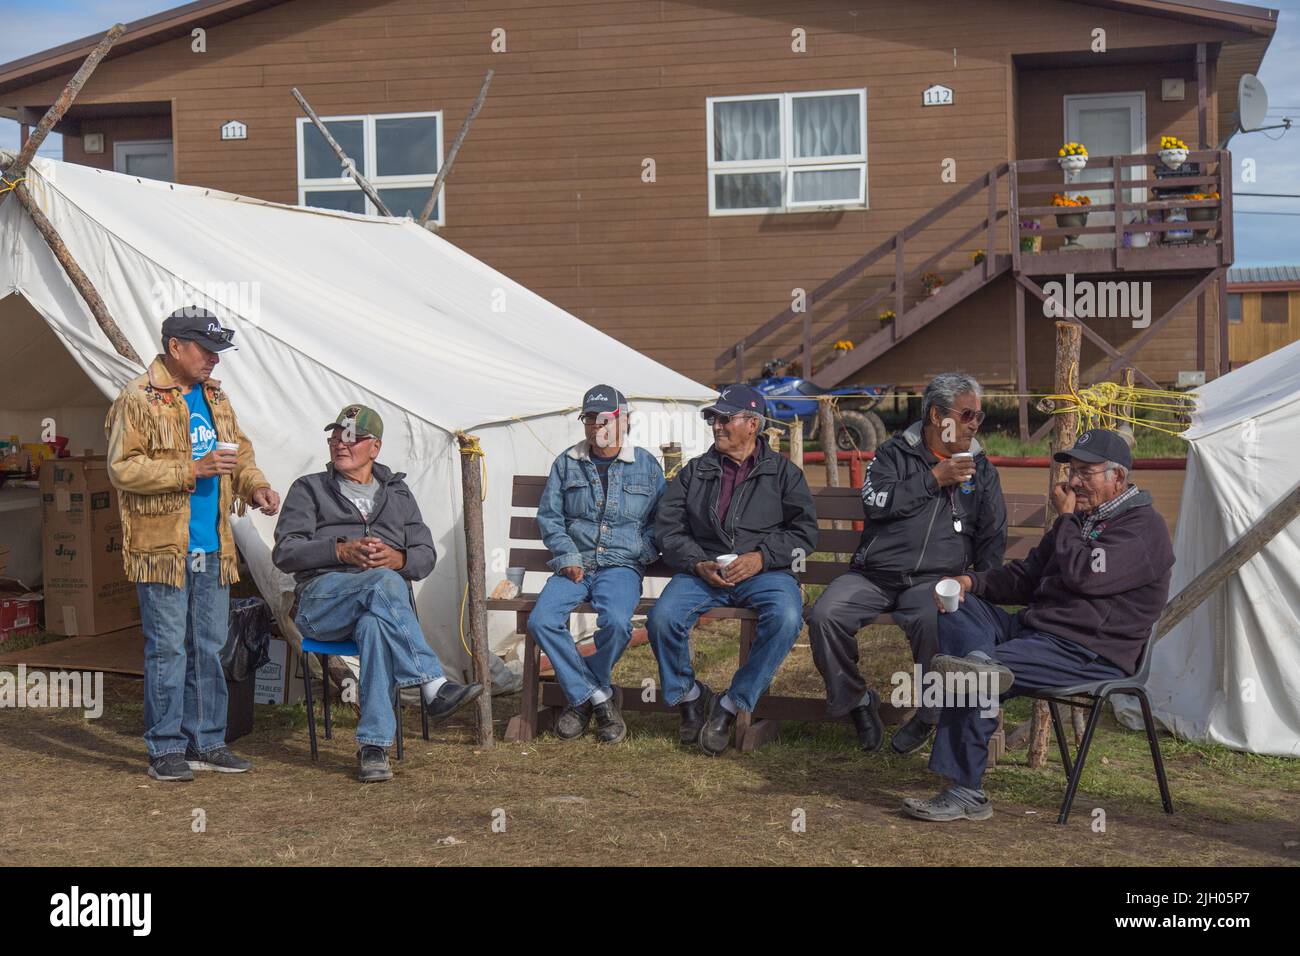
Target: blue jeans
{"x": 1038, "y": 660}
{"x": 373, "y": 608}
{"x": 614, "y": 593}
{"x": 185, "y": 630}
{"x": 774, "y": 595}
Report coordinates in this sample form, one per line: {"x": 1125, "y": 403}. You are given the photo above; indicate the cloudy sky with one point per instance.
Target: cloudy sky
{"x": 1266, "y": 227}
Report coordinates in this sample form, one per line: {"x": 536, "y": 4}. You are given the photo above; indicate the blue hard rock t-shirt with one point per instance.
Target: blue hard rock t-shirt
{"x": 203, "y": 500}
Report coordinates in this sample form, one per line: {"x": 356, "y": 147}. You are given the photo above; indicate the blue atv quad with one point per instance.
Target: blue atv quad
{"x": 856, "y": 425}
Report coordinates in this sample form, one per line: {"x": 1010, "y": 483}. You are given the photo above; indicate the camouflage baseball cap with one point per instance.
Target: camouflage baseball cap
{"x": 362, "y": 420}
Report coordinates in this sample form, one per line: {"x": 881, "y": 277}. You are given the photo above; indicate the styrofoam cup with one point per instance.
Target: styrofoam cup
{"x": 516, "y": 577}
{"x": 227, "y": 446}
{"x": 725, "y": 559}
{"x": 949, "y": 591}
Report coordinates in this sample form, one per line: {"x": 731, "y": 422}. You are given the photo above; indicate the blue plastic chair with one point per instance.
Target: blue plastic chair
{"x": 324, "y": 650}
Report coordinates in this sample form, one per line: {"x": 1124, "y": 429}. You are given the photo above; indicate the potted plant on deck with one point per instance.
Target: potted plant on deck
{"x": 1072, "y": 157}
{"x": 932, "y": 282}
{"x": 1173, "y": 151}
{"x": 887, "y": 318}
{"x": 1030, "y": 243}
{"x": 1074, "y": 214}
{"x": 977, "y": 257}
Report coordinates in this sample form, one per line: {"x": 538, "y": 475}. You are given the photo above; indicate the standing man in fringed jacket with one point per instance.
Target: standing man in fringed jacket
{"x": 177, "y": 490}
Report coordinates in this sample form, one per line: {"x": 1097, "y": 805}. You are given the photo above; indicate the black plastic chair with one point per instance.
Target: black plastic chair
{"x": 1095, "y": 694}
{"x": 324, "y": 650}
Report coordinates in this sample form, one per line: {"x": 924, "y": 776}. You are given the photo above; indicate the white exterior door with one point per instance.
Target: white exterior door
{"x": 148, "y": 159}
{"x": 1108, "y": 124}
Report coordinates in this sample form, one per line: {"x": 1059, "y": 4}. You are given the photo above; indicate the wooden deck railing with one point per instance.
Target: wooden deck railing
{"x": 1030, "y": 185}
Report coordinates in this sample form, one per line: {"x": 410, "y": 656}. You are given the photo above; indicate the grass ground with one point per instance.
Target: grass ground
{"x": 76, "y": 792}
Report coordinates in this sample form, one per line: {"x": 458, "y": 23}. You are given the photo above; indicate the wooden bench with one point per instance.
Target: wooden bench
{"x": 542, "y": 701}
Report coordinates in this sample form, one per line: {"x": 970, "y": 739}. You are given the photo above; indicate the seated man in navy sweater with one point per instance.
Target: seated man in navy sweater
{"x": 1095, "y": 586}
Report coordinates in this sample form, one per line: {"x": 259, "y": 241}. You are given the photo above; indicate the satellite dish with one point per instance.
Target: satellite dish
{"x": 1252, "y": 102}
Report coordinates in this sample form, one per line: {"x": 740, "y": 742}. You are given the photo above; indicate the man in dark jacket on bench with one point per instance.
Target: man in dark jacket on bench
{"x": 1095, "y": 586}
{"x": 732, "y": 522}
{"x": 353, "y": 538}
{"x": 933, "y": 507}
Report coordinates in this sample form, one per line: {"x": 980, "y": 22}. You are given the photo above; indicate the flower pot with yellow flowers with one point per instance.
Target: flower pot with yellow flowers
{"x": 1173, "y": 151}
{"x": 1072, "y": 157}
{"x": 887, "y": 318}
{"x": 1073, "y": 214}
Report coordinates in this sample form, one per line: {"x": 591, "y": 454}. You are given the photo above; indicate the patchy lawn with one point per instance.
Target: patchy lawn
{"x": 76, "y": 793}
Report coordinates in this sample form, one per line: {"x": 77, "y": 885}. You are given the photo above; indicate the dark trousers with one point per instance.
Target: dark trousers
{"x": 850, "y": 603}
{"x": 1039, "y": 661}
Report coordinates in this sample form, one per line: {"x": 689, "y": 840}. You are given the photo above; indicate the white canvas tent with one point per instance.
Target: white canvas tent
{"x": 1230, "y": 672}
{"x": 329, "y": 308}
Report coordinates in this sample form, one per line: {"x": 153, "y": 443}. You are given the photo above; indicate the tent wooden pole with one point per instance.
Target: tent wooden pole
{"x": 796, "y": 443}
{"x": 445, "y": 169}
{"x": 1068, "y": 338}
{"x": 55, "y": 113}
{"x": 80, "y": 280}
{"x": 348, "y": 164}
{"x": 471, "y": 479}
{"x": 1243, "y": 549}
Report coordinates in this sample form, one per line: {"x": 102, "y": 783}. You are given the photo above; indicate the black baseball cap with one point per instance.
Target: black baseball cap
{"x": 735, "y": 399}
{"x": 604, "y": 398}
{"x": 1098, "y": 444}
{"x": 198, "y": 325}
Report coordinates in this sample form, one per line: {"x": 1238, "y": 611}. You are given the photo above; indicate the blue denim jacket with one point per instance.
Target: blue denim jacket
{"x": 570, "y": 512}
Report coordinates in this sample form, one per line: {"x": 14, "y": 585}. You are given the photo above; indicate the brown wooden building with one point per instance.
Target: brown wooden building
{"x": 1263, "y": 311}
{"x": 674, "y": 172}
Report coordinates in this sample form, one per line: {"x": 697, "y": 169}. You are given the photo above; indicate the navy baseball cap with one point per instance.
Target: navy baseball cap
{"x": 735, "y": 399}
{"x": 1098, "y": 444}
{"x": 604, "y": 398}
{"x": 198, "y": 325}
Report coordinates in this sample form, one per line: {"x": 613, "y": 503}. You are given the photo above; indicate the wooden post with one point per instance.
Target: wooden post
{"x": 80, "y": 281}
{"x": 445, "y": 169}
{"x": 773, "y": 435}
{"x": 348, "y": 164}
{"x": 796, "y": 443}
{"x": 471, "y": 478}
{"x": 826, "y": 429}
{"x": 1068, "y": 338}
{"x": 32, "y": 143}
{"x": 1022, "y": 372}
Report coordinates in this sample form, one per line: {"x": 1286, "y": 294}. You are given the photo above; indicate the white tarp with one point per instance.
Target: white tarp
{"x": 1230, "y": 672}
{"x": 329, "y": 308}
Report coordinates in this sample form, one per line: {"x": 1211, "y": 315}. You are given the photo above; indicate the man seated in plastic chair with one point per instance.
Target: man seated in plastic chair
{"x": 353, "y": 538}
{"x": 1095, "y": 586}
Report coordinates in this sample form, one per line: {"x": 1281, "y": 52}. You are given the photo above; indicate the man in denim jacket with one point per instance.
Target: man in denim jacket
{"x": 597, "y": 517}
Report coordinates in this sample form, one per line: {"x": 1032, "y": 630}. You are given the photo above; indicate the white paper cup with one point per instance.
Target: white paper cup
{"x": 949, "y": 591}
{"x": 227, "y": 446}
{"x": 963, "y": 454}
{"x": 516, "y": 577}
{"x": 725, "y": 559}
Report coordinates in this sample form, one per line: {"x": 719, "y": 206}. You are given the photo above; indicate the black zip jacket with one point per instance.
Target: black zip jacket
{"x": 771, "y": 512}
{"x": 315, "y": 514}
{"x": 909, "y": 533}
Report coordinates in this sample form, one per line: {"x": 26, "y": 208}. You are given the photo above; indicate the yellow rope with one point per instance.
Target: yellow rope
{"x": 10, "y": 186}
{"x": 1102, "y": 405}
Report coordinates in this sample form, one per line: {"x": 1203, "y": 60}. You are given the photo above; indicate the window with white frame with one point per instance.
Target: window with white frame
{"x": 787, "y": 152}
{"x": 398, "y": 153}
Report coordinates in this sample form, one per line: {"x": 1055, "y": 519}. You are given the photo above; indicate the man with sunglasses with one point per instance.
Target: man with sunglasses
{"x": 1094, "y": 587}
{"x": 932, "y": 506}
{"x": 596, "y": 515}
{"x": 732, "y": 523}
{"x": 354, "y": 540}
{"x": 181, "y": 464}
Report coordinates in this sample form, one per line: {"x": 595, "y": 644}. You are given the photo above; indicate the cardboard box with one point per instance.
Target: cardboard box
{"x": 278, "y": 681}
{"x": 20, "y": 610}
{"x": 86, "y": 589}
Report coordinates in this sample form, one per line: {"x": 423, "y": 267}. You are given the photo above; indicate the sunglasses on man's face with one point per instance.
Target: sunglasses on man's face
{"x": 597, "y": 418}
{"x": 338, "y": 440}
{"x": 967, "y": 415}
{"x": 717, "y": 418}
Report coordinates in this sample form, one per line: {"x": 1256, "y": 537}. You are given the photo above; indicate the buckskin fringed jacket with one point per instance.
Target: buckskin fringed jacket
{"x": 149, "y": 462}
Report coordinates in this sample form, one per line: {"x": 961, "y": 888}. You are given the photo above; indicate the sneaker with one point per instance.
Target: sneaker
{"x": 912, "y": 736}
{"x": 1000, "y": 676}
{"x": 450, "y": 698}
{"x": 572, "y": 722}
{"x": 610, "y": 728}
{"x": 221, "y": 760}
{"x": 948, "y": 806}
{"x": 372, "y": 764}
{"x": 170, "y": 767}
